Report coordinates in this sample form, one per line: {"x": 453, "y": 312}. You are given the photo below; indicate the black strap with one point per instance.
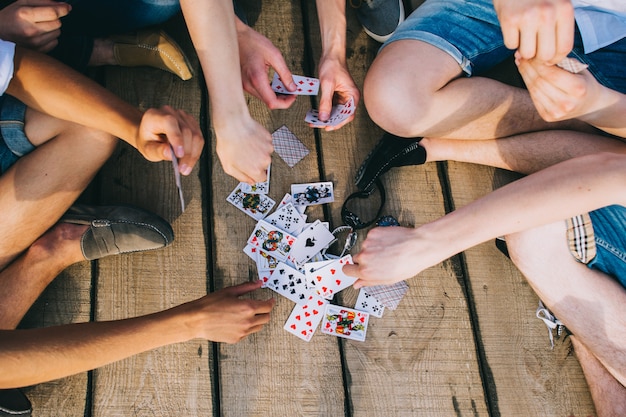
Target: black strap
{"x": 353, "y": 220}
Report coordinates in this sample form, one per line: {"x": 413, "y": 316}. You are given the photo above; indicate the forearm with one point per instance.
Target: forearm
{"x": 610, "y": 117}
{"x": 332, "y": 17}
{"x": 211, "y": 25}
{"x": 50, "y": 87}
{"x": 32, "y": 356}
{"x": 564, "y": 190}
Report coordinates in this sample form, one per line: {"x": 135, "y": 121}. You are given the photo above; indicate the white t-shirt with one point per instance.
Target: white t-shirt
{"x": 7, "y": 52}
{"x": 601, "y": 22}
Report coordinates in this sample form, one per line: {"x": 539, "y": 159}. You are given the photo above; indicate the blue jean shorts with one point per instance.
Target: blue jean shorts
{"x": 598, "y": 239}
{"x": 13, "y": 141}
{"x": 469, "y": 31}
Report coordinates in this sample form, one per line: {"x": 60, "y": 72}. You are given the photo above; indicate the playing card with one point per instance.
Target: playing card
{"x": 256, "y": 206}
{"x": 312, "y": 193}
{"x": 330, "y": 279}
{"x": 288, "y": 146}
{"x": 369, "y": 304}
{"x": 272, "y": 240}
{"x": 290, "y": 283}
{"x": 304, "y": 319}
{"x": 389, "y": 295}
{"x": 266, "y": 277}
{"x": 309, "y": 271}
{"x": 177, "y": 178}
{"x": 338, "y": 114}
{"x": 306, "y": 86}
{"x": 345, "y": 322}
{"x": 259, "y": 187}
{"x": 287, "y": 218}
{"x": 572, "y": 65}
{"x": 288, "y": 199}
{"x": 310, "y": 242}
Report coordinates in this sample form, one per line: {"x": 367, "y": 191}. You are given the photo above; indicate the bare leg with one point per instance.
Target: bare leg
{"x": 525, "y": 153}
{"x": 609, "y": 396}
{"x": 591, "y": 304}
{"x": 34, "y": 194}
{"x": 414, "y": 89}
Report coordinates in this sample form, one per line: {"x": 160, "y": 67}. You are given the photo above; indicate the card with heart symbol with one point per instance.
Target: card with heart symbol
{"x": 345, "y": 322}
{"x": 304, "y": 319}
{"x": 311, "y": 241}
{"x": 330, "y": 279}
{"x": 272, "y": 240}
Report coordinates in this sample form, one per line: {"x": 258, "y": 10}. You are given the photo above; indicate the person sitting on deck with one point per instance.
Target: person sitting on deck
{"x": 54, "y": 137}
{"x": 563, "y": 131}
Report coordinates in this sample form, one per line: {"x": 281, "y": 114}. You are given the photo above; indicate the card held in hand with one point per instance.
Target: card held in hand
{"x": 345, "y": 322}
{"x": 305, "y": 86}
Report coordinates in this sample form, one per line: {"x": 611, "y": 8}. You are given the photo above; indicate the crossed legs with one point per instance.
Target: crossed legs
{"x": 34, "y": 194}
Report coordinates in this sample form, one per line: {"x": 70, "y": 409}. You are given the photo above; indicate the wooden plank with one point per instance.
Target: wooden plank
{"x": 419, "y": 359}
{"x": 527, "y": 377}
{"x": 272, "y": 373}
{"x": 176, "y": 379}
{"x": 66, "y": 300}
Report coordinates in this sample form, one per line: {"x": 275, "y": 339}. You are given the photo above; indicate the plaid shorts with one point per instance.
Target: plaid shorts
{"x": 598, "y": 240}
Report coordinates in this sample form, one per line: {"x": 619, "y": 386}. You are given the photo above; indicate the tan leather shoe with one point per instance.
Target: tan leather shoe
{"x": 153, "y": 49}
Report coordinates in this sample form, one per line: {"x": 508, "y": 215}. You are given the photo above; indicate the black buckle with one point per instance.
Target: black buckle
{"x": 354, "y": 221}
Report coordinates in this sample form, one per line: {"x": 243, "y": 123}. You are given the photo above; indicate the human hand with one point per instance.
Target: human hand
{"x": 164, "y": 126}
{"x": 336, "y": 83}
{"x": 33, "y": 24}
{"x": 541, "y": 29}
{"x": 224, "y": 317}
{"x": 245, "y": 149}
{"x": 388, "y": 255}
{"x": 257, "y": 55}
{"x": 561, "y": 95}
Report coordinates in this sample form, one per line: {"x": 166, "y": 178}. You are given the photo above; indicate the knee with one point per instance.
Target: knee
{"x": 390, "y": 101}
{"x": 100, "y": 145}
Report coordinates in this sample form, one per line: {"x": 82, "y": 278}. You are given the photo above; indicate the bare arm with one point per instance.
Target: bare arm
{"x": 556, "y": 193}
{"x": 50, "y": 87}
{"x": 211, "y": 24}
{"x": 335, "y": 80}
{"x": 31, "y": 356}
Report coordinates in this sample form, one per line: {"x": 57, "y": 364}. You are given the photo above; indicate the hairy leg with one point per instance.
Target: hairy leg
{"x": 34, "y": 194}
{"x": 415, "y": 89}
{"x": 591, "y": 304}
{"x": 525, "y": 153}
{"x": 609, "y": 396}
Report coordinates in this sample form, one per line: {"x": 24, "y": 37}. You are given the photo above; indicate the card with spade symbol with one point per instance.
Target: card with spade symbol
{"x": 289, "y": 283}
{"x": 345, "y": 322}
{"x": 368, "y": 303}
{"x": 310, "y": 242}
{"x": 304, "y": 319}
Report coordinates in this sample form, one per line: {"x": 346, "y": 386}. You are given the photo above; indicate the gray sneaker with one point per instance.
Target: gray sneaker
{"x": 379, "y": 18}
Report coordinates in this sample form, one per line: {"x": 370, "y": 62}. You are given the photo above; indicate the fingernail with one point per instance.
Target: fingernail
{"x": 180, "y": 151}
{"x": 185, "y": 169}
{"x": 323, "y": 116}
{"x": 292, "y": 86}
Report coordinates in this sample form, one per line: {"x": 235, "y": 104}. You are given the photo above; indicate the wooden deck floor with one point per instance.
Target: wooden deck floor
{"x": 464, "y": 341}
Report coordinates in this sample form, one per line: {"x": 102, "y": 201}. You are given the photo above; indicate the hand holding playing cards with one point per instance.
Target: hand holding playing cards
{"x": 389, "y": 255}
{"x": 541, "y": 29}
{"x": 561, "y": 95}
{"x": 161, "y": 127}
{"x": 257, "y": 54}
{"x": 224, "y": 317}
{"x": 336, "y": 83}
{"x": 33, "y": 24}
{"x": 245, "y": 149}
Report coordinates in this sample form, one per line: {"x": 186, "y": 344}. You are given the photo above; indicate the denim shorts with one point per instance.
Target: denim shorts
{"x": 598, "y": 239}
{"x": 469, "y": 31}
{"x": 13, "y": 141}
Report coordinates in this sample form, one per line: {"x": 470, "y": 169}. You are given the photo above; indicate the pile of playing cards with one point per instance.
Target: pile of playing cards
{"x": 288, "y": 252}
